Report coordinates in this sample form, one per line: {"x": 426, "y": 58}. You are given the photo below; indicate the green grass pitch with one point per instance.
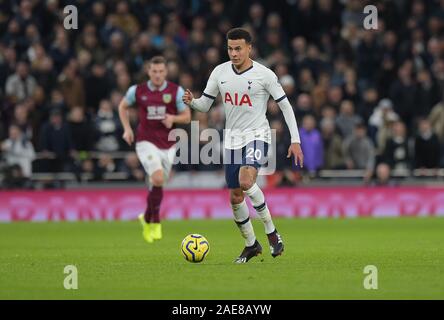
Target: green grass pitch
{"x": 323, "y": 259}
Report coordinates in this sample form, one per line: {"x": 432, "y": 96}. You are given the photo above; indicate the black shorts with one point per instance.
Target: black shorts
{"x": 254, "y": 154}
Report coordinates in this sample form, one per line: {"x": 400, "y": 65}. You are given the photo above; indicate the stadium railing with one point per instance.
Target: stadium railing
{"x": 187, "y": 178}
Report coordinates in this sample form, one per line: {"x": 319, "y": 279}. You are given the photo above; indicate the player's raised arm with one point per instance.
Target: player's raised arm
{"x": 128, "y": 134}
{"x": 210, "y": 93}
{"x": 278, "y": 94}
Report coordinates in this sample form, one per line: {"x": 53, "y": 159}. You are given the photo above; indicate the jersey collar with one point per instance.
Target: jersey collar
{"x": 153, "y": 88}
{"x": 238, "y": 73}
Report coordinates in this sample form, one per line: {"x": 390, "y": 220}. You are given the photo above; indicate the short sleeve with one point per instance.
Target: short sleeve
{"x": 130, "y": 95}
{"x": 212, "y": 89}
{"x": 181, "y": 106}
{"x": 274, "y": 87}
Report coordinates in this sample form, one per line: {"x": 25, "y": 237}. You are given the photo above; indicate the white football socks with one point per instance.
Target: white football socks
{"x": 242, "y": 219}
{"x": 258, "y": 200}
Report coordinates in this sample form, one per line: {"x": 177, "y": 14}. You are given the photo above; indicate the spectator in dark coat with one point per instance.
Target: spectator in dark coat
{"x": 427, "y": 148}
{"x": 397, "y": 154}
{"x": 56, "y": 144}
{"x": 81, "y": 129}
{"x": 427, "y": 93}
{"x": 403, "y": 94}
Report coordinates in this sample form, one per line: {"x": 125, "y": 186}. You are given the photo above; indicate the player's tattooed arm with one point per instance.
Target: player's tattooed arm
{"x": 295, "y": 146}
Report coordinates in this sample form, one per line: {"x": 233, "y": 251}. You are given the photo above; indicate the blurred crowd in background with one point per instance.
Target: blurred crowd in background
{"x": 364, "y": 99}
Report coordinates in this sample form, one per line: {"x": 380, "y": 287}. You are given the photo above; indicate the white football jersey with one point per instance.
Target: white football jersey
{"x": 245, "y": 97}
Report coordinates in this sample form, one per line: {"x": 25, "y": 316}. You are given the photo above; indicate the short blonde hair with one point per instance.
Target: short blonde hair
{"x": 157, "y": 60}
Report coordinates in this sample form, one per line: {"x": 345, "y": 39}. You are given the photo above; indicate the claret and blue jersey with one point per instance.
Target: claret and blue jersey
{"x": 153, "y": 104}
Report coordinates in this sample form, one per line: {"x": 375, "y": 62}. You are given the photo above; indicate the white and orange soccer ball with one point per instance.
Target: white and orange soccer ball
{"x": 195, "y": 247}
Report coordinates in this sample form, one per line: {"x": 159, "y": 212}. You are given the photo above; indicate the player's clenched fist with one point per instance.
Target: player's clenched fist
{"x": 187, "y": 97}
{"x": 168, "y": 121}
{"x": 128, "y": 136}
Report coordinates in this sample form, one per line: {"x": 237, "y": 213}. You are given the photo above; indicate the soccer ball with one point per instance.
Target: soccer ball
{"x": 195, "y": 247}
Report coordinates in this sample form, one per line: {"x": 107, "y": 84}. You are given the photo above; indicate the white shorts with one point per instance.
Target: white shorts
{"x": 152, "y": 158}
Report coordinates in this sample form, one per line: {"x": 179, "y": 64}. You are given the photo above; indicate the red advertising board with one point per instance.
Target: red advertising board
{"x": 126, "y": 204}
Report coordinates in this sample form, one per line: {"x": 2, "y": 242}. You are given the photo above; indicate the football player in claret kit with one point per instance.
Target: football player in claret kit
{"x": 245, "y": 86}
{"x": 160, "y": 107}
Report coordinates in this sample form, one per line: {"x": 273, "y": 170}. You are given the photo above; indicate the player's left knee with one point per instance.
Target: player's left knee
{"x": 236, "y": 199}
{"x": 246, "y": 183}
{"x": 157, "y": 179}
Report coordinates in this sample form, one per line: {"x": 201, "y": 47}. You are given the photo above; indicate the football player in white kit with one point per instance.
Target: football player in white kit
{"x": 245, "y": 86}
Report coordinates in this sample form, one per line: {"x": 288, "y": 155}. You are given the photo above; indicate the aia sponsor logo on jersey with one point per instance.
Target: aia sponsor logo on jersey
{"x": 237, "y": 100}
